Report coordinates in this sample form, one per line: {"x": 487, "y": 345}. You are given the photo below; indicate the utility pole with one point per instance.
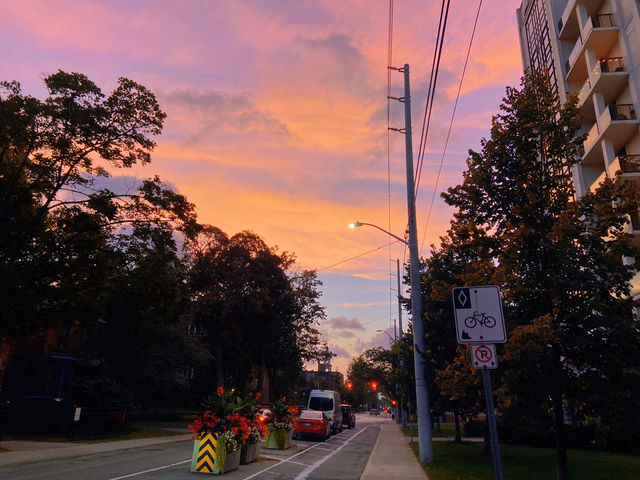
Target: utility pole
{"x": 399, "y": 297}
{"x": 405, "y": 387}
{"x": 422, "y": 392}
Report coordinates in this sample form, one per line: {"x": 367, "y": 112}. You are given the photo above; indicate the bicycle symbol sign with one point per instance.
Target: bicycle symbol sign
{"x": 478, "y": 315}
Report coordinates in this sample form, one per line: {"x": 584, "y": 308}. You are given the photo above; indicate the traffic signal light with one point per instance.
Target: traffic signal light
{"x": 349, "y": 385}
{"x": 374, "y": 385}
{"x": 393, "y": 402}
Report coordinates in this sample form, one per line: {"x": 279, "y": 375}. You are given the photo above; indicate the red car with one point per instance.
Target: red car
{"x": 311, "y": 422}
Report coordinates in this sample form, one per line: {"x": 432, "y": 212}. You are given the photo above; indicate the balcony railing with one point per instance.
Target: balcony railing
{"x": 584, "y": 92}
{"x": 611, "y": 64}
{"x": 630, "y": 164}
{"x": 603, "y": 21}
{"x": 623, "y": 111}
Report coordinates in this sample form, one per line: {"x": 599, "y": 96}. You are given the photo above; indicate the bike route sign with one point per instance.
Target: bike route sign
{"x": 478, "y": 315}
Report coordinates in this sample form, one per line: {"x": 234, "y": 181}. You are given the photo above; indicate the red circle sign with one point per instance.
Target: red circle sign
{"x": 483, "y": 354}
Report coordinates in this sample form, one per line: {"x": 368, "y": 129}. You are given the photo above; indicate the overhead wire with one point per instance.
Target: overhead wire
{"x": 453, "y": 114}
{"x": 356, "y": 256}
{"x": 431, "y": 93}
{"x": 389, "y": 64}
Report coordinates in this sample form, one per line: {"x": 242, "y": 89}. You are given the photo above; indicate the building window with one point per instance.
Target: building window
{"x": 192, "y": 329}
{"x": 539, "y": 42}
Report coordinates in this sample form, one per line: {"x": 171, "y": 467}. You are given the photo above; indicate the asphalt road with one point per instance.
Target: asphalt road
{"x": 342, "y": 457}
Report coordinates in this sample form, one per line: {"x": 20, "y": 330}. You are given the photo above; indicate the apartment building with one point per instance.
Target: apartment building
{"x": 592, "y": 48}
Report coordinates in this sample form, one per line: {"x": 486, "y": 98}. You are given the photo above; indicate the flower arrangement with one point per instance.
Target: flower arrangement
{"x": 239, "y": 427}
{"x": 281, "y": 417}
{"x": 233, "y": 419}
{"x": 279, "y": 425}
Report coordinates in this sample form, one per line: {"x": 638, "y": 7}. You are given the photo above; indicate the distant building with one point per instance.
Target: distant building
{"x": 591, "y": 48}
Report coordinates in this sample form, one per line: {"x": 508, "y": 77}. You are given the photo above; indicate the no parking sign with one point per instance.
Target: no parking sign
{"x": 484, "y": 356}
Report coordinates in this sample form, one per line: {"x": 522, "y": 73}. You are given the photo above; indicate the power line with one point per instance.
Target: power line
{"x": 426, "y": 106}
{"x": 389, "y": 63}
{"x": 430, "y": 100}
{"x": 357, "y": 256}
{"x": 453, "y": 114}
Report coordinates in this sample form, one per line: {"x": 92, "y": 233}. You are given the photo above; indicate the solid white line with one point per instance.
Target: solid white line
{"x": 305, "y": 473}
{"x": 287, "y": 460}
{"x": 151, "y": 470}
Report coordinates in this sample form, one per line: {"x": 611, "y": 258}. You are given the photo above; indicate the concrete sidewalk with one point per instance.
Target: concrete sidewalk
{"x": 392, "y": 457}
{"x": 27, "y": 451}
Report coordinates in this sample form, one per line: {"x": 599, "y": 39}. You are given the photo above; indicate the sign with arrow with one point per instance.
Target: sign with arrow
{"x": 484, "y": 356}
{"x": 478, "y": 315}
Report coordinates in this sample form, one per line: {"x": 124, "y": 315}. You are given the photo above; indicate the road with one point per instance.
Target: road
{"x": 342, "y": 457}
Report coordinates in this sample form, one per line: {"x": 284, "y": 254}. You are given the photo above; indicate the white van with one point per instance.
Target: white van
{"x": 327, "y": 401}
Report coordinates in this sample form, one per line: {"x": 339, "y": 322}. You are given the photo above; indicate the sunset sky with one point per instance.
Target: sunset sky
{"x": 277, "y": 118}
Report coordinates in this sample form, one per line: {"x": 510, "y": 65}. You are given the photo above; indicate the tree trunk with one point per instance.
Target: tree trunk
{"x": 562, "y": 471}
{"x": 259, "y": 375}
{"x": 456, "y": 419}
{"x": 219, "y": 369}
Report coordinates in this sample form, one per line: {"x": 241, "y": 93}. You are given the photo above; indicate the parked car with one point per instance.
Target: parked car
{"x": 312, "y": 423}
{"x": 327, "y": 401}
{"x": 348, "y": 416}
{"x": 374, "y": 411}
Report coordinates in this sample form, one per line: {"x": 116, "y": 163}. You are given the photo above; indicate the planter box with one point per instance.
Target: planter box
{"x": 278, "y": 439}
{"x": 249, "y": 453}
{"x": 206, "y": 457}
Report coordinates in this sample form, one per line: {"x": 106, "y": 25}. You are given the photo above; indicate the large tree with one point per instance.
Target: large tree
{"x": 73, "y": 252}
{"x": 55, "y": 219}
{"x": 259, "y": 314}
{"x": 559, "y": 260}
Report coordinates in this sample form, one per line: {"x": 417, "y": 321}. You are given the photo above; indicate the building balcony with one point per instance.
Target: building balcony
{"x": 618, "y": 124}
{"x": 608, "y": 77}
{"x": 629, "y": 163}
{"x": 569, "y": 25}
{"x": 599, "y": 34}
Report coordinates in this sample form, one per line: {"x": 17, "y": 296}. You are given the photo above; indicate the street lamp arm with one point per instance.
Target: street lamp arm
{"x": 359, "y": 224}
{"x": 387, "y": 333}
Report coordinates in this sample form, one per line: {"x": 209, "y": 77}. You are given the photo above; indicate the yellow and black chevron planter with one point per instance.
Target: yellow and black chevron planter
{"x": 204, "y": 455}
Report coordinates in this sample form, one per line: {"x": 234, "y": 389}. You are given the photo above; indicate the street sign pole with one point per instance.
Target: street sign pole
{"x": 491, "y": 419}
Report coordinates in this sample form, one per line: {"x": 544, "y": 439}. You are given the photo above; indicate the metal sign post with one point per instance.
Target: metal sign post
{"x": 491, "y": 419}
{"x": 480, "y": 323}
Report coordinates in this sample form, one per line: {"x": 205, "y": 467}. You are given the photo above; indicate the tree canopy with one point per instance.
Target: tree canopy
{"x": 561, "y": 262}
{"x": 97, "y": 273}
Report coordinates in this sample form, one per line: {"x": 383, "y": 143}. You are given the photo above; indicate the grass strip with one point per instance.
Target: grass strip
{"x": 467, "y": 461}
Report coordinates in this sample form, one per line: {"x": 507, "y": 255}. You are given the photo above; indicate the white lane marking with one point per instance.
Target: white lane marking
{"x": 305, "y": 473}
{"x": 286, "y": 460}
{"x": 150, "y": 470}
{"x": 280, "y": 459}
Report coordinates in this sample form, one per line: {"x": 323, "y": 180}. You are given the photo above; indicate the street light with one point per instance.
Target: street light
{"x": 359, "y": 224}
{"x": 387, "y": 333}
{"x": 422, "y": 390}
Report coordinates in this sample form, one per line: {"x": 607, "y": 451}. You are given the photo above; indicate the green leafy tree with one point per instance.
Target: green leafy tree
{"x": 259, "y": 315}
{"x": 73, "y": 252}
{"x": 558, "y": 260}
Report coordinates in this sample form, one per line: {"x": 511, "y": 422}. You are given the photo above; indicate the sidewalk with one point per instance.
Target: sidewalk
{"x": 392, "y": 457}
{"x": 25, "y": 451}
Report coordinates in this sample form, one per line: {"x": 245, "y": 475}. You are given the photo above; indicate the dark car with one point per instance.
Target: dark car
{"x": 374, "y": 411}
{"x": 348, "y": 416}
